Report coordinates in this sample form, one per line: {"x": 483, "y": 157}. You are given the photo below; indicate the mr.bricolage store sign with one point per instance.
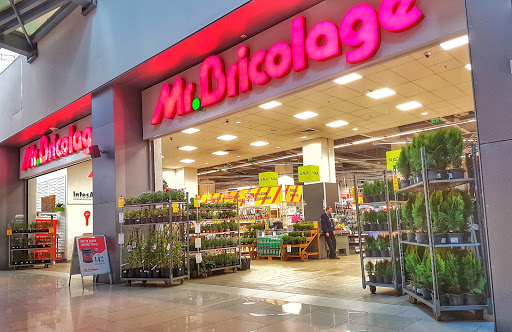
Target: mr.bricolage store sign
{"x": 59, "y": 149}
{"x": 323, "y": 41}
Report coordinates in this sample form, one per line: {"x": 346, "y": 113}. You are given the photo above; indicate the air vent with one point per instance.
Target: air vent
{"x": 310, "y": 130}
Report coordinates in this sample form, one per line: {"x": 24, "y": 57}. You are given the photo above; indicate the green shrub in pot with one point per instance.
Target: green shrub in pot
{"x": 403, "y": 164}
{"x": 472, "y": 278}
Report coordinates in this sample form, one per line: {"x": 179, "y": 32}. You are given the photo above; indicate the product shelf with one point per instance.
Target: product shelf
{"x": 436, "y": 185}
{"x": 376, "y": 284}
{"x": 378, "y": 257}
{"x": 36, "y": 232}
{"x": 449, "y": 245}
{"x": 155, "y": 223}
{"x": 214, "y": 249}
{"x": 217, "y": 233}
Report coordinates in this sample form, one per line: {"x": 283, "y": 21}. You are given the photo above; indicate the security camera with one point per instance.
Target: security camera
{"x": 170, "y": 138}
{"x": 227, "y": 121}
{"x": 427, "y": 54}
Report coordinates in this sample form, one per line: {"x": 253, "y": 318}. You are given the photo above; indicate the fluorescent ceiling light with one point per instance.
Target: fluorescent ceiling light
{"x": 206, "y": 163}
{"x": 188, "y": 148}
{"x": 468, "y": 66}
{"x": 337, "y": 124}
{"x": 382, "y": 93}
{"x": 238, "y": 122}
{"x": 409, "y": 106}
{"x": 368, "y": 140}
{"x": 348, "y": 78}
{"x": 259, "y": 143}
{"x": 455, "y": 43}
{"x": 424, "y": 113}
{"x": 270, "y": 105}
{"x": 304, "y": 137}
{"x": 305, "y": 115}
{"x": 190, "y": 131}
{"x": 388, "y": 143}
{"x": 227, "y": 137}
{"x": 278, "y": 147}
{"x": 355, "y": 129}
{"x": 187, "y": 161}
{"x": 220, "y": 153}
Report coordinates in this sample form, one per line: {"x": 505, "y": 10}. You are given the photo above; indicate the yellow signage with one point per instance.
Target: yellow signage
{"x": 174, "y": 207}
{"x": 293, "y": 194}
{"x": 120, "y": 202}
{"x": 395, "y": 183}
{"x": 310, "y": 173}
{"x": 197, "y": 202}
{"x": 268, "y": 179}
{"x": 392, "y": 158}
{"x": 9, "y": 231}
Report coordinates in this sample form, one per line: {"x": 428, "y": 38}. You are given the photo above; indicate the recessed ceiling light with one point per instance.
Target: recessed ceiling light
{"x": 238, "y": 122}
{"x": 238, "y": 156}
{"x": 188, "y": 148}
{"x": 382, "y": 93}
{"x": 348, "y": 78}
{"x": 187, "y": 161}
{"x": 220, "y": 153}
{"x": 278, "y": 147}
{"x": 227, "y": 137}
{"x": 206, "y": 163}
{"x": 337, "y": 124}
{"x": 409, "y": 106}
{"x": 305, "y": 115}
{"x": 355, "y": 129}
{"x": 424, "y": 113}
{"x": 468, "y": 66}
{"x": 455, "y": 43}
{"x": 190, "y": 131}
{"x": 270, "y": 105}
{"x": 259, "y": 143}
{"x": 304, "y": 137}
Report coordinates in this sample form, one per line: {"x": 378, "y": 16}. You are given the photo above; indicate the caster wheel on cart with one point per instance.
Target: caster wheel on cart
{"x": 128, "y": 283}
{"x": 479, "y": 314}
{"x": 438, "y": 317}
{"x": 373, "y": 289}
{"x": 182, "y": 281}
{"x": 167, "y": 283}
{"x": 253, "y": 255}
{"x": 144, "y": 282}
{"x": 304, "y": 256}
{"x": 45, "y": 266}
{"x": 412, "y": 300}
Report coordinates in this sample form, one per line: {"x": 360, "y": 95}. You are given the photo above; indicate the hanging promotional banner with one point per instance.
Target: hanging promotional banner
{"x": 392, "y": 158}
{"x": 293, "y": 194}
{"x": 268, "y": 179}
{"x": 310, "y": 173}
{"x": 93, "y": 255}
{"x": 262, "y": 196}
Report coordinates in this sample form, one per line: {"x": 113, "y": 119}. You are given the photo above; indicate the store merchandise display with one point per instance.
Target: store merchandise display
{"x": 30, "y": 244}
{"x": 297, "y": 246}
{"x": 249, "y": 239}
{"x": 155, "y": 233}
{"x": 269, "y": 243}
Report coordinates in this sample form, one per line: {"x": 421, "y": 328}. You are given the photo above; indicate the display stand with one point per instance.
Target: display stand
{"x": 396, "y": 285}
{"x": 28, "y": 246}
{"x": 207, "y": 229}
{"x": 269, "y": 244}
{"x": 176, "y": 227}
{"x": 427, "y": 186}
{"x": 301, "y": 250}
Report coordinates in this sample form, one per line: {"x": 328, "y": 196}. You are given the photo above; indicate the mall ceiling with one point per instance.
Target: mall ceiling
{"x": 436, "y": 78}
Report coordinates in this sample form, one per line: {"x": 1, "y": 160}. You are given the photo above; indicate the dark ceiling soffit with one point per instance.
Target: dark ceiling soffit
{"x": 53, "y": 21}
{"x": 31, "y": 15}
{"x": 22, "y": 7}
{"x": 87, "y": 5}
{"x": 16, "y": 42}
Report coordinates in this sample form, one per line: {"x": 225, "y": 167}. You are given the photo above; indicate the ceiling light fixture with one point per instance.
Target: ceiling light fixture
{"x": 278, "y": 147}
{"x": 187, "y": 161}
{"x": 424, "y": 113}
{"x": 468, "y": 66}
{"x": 355, "y": 129}
{"x": 382, "y": 93}
{"x": 348, "y": 78}
{"x": 206, "y": 163}
{"x": 409, "y": 106}
{"x": 227, "y": 137}
{"x": 259, "y": 143}
{"x": 270, "y": 105}
{"x": 190, "y": 131}
{"x": 304, "y": 137}
{"x": 220, "y": 153}
{"x": 238, "y": 122}
{"x": 188, "y": 148}
{"x": 305, "y": 115}
{"x": 455, "y": 43}
{"x": 337, "y": 124}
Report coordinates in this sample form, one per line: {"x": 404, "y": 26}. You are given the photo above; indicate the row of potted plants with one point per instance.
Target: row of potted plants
{"x": 300, "y": 226}
{"x": 248, "y": 240}
{"x": 221, "y": 242}
{"x": 377, "y": 220}
{"x": 379, "y": 247}
{"x": 450, "y": 210}
{"x": 443, "y": 156}
{"x": 214, "y": 206}
{"x": 460, "y": 275}
{"x": 215, "y": 215}
{"x": 157, "y": 197}
{"x": 217, "y": 228}
{"x": 287, "y": 239}
{"x": 29, "y": 243}
{"x": 25, "y": 257}
{"x": 299, "y": 233}
{"x": 381, "y": 272}
{"x": 30, "y": 227}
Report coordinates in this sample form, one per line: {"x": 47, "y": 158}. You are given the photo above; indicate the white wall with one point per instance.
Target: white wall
{"x": 182, "y": 178}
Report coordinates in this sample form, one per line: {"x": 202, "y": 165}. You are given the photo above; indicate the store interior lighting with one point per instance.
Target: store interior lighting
{"x": 468, "y": 66}
{"x": 259, "y": 143}
{"x": 337, "y": 124}
{"x": 455, "y": 43}
{"x": 305, "y": 115}
{"x": 381, "y": 93}
{"x": 409, "y": 106}
{"x": 227, "y": 137}
{"x": 270, "y": 105}
{"x": 348, "y": 78}
{"x": 187, "y": 148}
{"x": 190, "y": 131}
{"x": 187, "y": 161}
{"x": 220, "y": 153}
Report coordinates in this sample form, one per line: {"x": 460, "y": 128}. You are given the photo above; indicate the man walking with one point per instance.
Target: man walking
{"x": 328, "y": 229}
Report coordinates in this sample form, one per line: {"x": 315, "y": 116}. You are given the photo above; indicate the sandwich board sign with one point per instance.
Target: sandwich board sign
{"x": 90, "y": 257}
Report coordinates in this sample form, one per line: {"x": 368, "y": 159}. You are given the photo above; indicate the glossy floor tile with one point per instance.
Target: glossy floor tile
{"x": 285, "y": 297}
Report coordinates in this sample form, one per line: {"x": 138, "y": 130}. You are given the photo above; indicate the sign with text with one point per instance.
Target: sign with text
{"x": 392, "y": 158}
{"x": 269, "y": 179}
{"x": 93, "y": 255}
{"x": 310, "y": 173}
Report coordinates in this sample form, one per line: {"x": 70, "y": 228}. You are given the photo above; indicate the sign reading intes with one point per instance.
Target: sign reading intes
{"x": 57, "y": 148}
{"x": 359, "y": 29}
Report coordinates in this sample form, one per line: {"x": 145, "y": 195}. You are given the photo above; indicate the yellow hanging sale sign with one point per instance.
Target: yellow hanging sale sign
{"x": 392, "y": 158}
{"x": 293, "y": 194}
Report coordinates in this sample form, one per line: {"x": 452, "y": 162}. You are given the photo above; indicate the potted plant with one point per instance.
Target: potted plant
{"x": 382, "y": 220}
{"x": 419, "y": 215}
{"x": 370, "y": 270}
{"x": 383, "y": 245}
{"x": 380, "y": 270}
{"x": 448, "y": 271}
{"x": 59, "y": 207}
{"x": 388, "y": 272}
{"x": 473, "y": 279}
{"x": 439, "y": 217}
{"x": 424, "y": 275}
{"x": 404, "y": 167}
{"x": 368, "y": 193}
{"x": 454, "y": 146}
{"x": 177, "y": 257}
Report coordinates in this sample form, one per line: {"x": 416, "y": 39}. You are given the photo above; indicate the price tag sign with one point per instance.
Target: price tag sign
{"x": 199, "y": 258}
{"x": 274, "y": 233}
{"x": 120, "y": 202}
{"x": 120, "y": 238}
{"x": 395, "y": 183}
{"x": 266, "y": 226}
{"x": 289, "y": 248}
{"x": 121, "y": 217}
{"x": 198, "y": 242}
{"x": 50, "y": 230}
{"x": 198, "y": 228}
{"x": 197, "y": 202}
{"x": 174, "y": 207}
{"x": 9, "y": 231}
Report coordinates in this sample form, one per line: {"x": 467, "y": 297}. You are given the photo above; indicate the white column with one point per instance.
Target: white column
{"x": 157, "y": 157}
{"x": 320, "y": 152}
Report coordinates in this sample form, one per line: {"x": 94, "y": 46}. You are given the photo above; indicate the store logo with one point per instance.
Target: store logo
{"x": 78, "y": 195}
{"x": 359, "y": 29}
{"x": 57, "y": 148}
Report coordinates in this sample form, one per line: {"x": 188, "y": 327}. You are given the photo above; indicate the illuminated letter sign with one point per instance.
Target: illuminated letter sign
{"x": 57, "y": 148}
{"x": 359, "y": 31}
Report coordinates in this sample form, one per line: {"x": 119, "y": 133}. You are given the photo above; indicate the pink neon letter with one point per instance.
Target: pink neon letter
{"x": 190, "y": 91}
{"x": 257, "y": 76}
{"x": 44, "y": 153}
{"x": 399, "y": 15}
{"x": 212, "y": 69}
{"x": 360, "y": 28}
{"x": 232, "y": 80}
{"x": 281, "y": 52}
{"x": 77, "y": 141}
{"x": 330, "y": 49}
{"x": 170, "y": 102}
{"x": 300, "y": 61}
{"x": 87, "y": 139}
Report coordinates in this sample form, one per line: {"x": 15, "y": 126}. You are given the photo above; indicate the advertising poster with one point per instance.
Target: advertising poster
{"x": 93, "y": 255}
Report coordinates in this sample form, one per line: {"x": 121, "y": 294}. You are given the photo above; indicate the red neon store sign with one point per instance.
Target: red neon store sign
{"x": 359, "y": 29}
{"x": 57, "y": 148}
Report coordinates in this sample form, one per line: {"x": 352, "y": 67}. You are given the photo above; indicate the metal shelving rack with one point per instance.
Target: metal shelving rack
{"x": 34, "y": 262}
{"x": 181, "y": 227}
{"x": 237, "y": 248}
{"x": 480, "y": 247}
{"x": 396, "y": 284}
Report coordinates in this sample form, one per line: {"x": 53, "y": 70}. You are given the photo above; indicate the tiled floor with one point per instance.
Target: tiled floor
{"x": 40, "y": 300}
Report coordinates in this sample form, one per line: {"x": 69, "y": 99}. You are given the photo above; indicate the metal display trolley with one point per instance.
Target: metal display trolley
{"x": 396, "y": 280}
{"x": 25, "y": 250}
{"x": 477, "y": 242}
{"x": 208, "y": 219}
{"x": 174, "y": 227}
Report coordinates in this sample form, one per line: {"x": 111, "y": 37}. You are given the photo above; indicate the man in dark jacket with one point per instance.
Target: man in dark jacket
{"x": 328, "y": 230}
